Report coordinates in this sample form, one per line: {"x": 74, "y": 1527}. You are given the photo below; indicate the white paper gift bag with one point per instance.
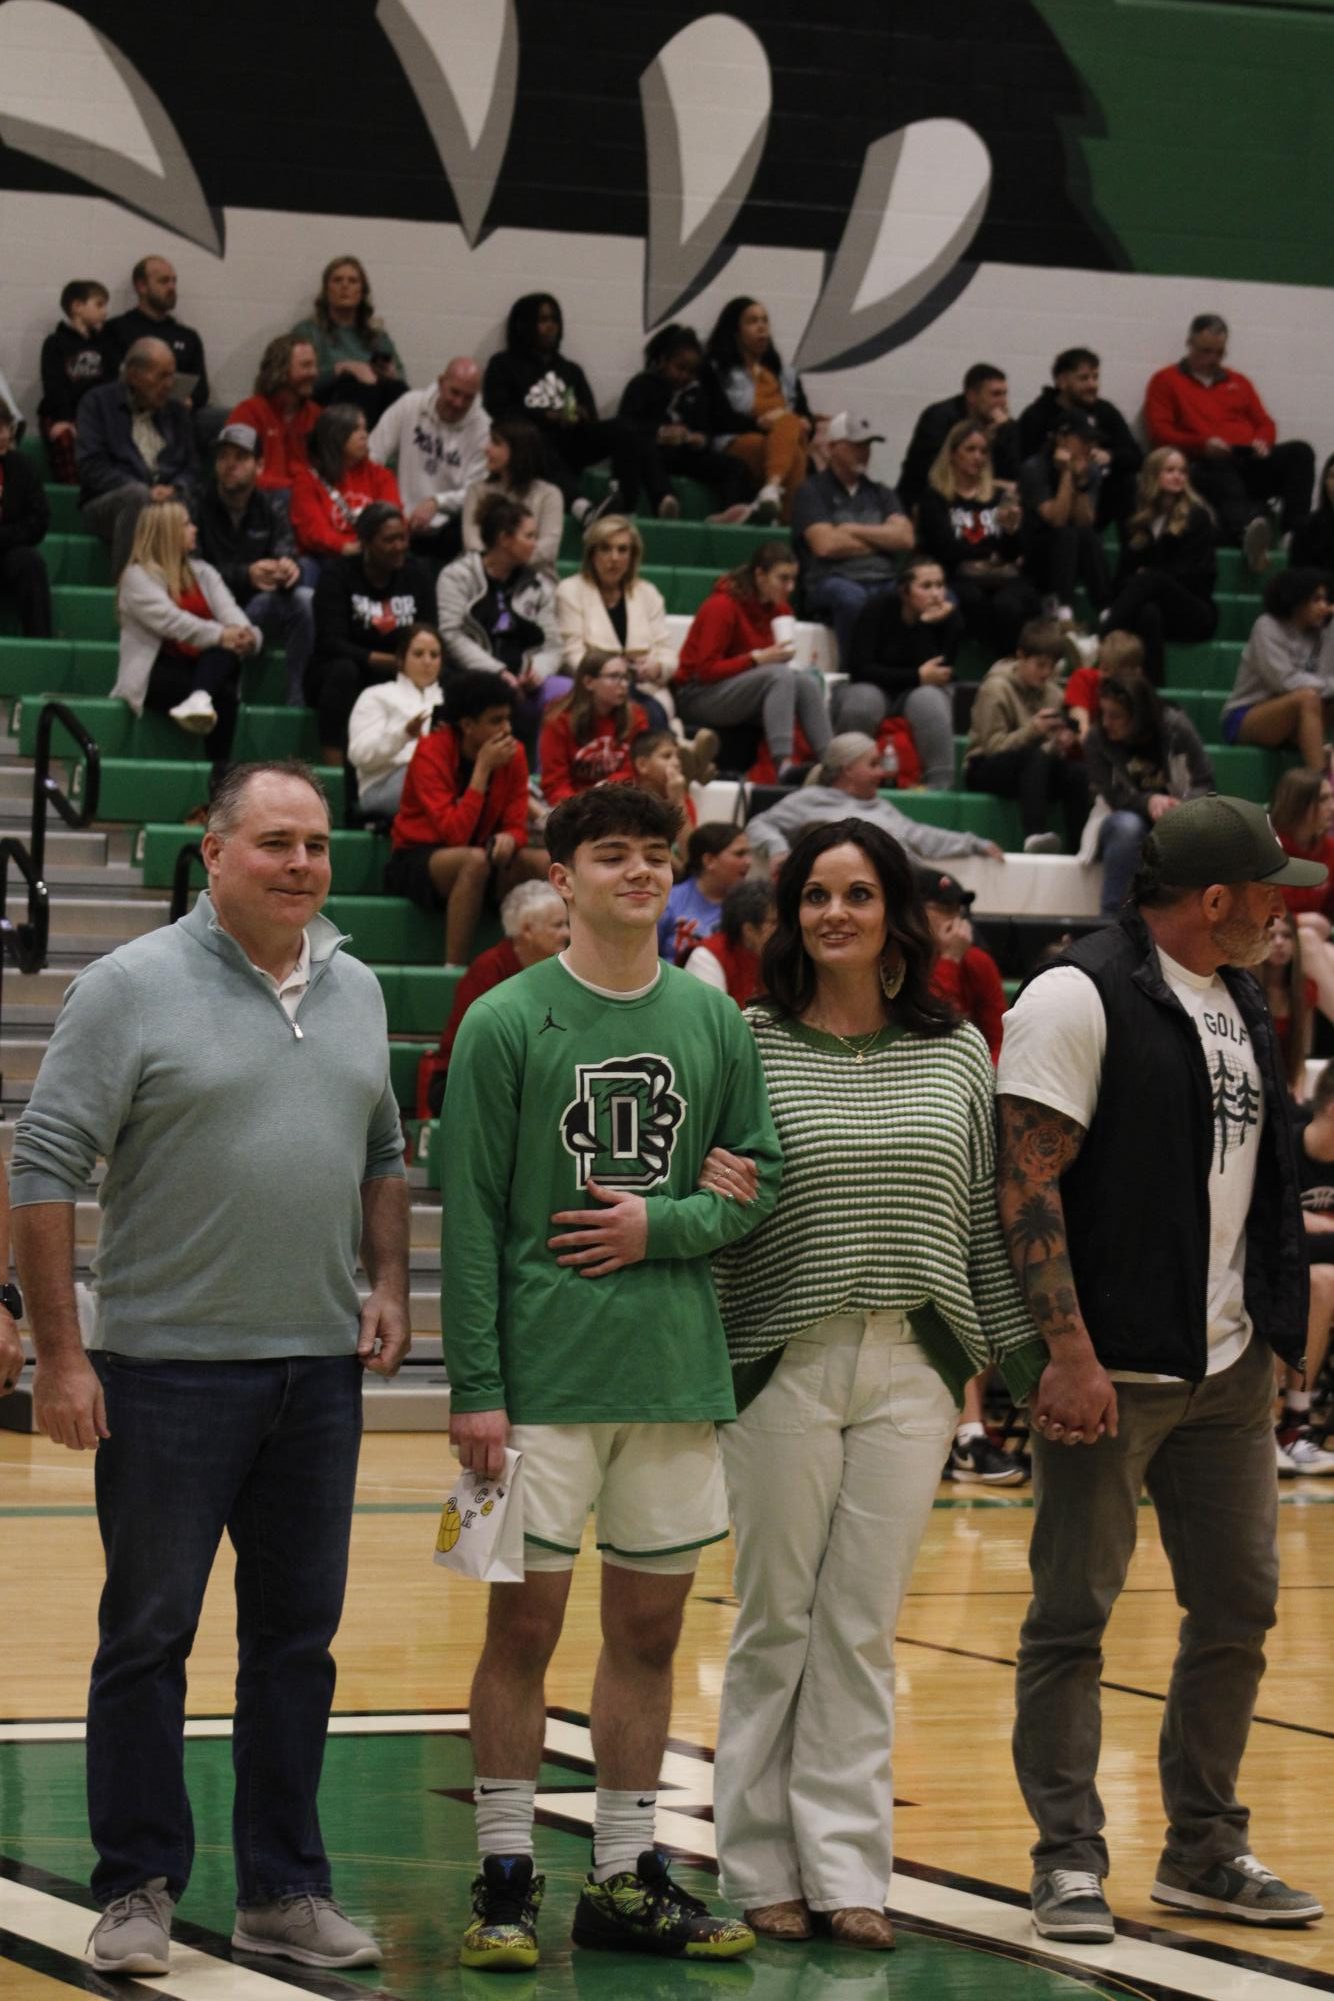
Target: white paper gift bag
{"x": 481, "y": 1526}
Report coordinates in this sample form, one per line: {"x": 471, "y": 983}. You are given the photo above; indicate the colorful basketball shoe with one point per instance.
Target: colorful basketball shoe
{"x": 643, "y": 1910}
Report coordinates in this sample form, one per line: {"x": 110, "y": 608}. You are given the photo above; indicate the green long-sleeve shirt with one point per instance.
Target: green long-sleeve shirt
{"x": 551, "y": 1082}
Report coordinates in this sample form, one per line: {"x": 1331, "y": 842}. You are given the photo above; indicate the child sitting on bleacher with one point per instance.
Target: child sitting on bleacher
{"x": 1284, "y": 690}
{"x": 586, "y": 737}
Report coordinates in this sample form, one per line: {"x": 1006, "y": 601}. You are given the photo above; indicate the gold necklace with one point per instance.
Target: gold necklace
{"x": 856, "y": 1045}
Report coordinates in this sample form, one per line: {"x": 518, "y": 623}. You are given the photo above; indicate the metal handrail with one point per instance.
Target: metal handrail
{"x": 26, "y": 943}
{"x": 180, "y": 879}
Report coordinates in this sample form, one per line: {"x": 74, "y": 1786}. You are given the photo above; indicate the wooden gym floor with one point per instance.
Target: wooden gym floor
{"x": 395, "y": 1801}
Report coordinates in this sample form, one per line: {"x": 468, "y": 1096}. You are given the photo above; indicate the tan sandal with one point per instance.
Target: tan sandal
{"x": 791, "y": 1921}
{"x": 863, "y": 1927}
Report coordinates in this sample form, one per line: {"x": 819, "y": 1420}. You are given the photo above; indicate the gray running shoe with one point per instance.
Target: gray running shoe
{"x": 1242, "y": 1889}
{"x": 312, "y": 1930}
{"x": 133, "y": 1934}
{"x": 1068, "y": 1904}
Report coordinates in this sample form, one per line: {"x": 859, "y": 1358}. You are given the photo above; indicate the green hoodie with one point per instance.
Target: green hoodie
{"x": 236, "y": 1142}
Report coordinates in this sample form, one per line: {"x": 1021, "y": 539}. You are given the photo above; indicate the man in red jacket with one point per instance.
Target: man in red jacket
{"x": 462, "y": 826}
{"x": 282, "y": 409}
{"x": 1214, "y": 415}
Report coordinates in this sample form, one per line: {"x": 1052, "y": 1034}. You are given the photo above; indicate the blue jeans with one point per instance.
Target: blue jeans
{"x": 1120, "y": 838}
{"x": 842, "y": 600}
{"x": 291, "y": 615}
{"x": 268, "y": 1452}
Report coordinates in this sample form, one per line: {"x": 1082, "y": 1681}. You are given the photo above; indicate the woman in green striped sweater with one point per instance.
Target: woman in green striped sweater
{"x": 855, "y": 1315}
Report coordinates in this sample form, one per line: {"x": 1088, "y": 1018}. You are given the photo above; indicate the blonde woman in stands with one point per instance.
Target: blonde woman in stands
{"x": 608, "y": 607}
{"x": 1165, "y": 585}
{"x": 882, "y": 1099}
{"x": 183, "y": 636}
{"x": 514, "y": 460}
{"x": 972, "y": 528}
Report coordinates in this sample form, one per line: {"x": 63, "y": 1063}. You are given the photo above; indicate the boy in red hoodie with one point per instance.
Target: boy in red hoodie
{"x": 462, "y": 826}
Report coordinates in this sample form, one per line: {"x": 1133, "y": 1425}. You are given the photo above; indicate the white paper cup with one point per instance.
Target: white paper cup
{"x": 785, "y": 630}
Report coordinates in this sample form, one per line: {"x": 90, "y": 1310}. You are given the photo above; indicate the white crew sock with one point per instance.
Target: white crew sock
{"x": 504, "y": 1815}
{"x": 1297, "y": 1399}
{"x": 622, "y": 1830}
{"x": 963, "y": 1432}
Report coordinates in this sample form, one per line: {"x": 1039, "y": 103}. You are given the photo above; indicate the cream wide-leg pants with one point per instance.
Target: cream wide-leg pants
{"x": 831, "y": 1473}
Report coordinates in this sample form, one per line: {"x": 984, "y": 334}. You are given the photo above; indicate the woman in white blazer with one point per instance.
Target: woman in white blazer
{"x": 182, "y": 634}
{"x": 390, "y": 718}
{"x": 609, "y": 608}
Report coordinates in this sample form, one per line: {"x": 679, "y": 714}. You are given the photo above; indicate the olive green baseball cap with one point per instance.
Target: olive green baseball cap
{"x": 1223, "y": 840}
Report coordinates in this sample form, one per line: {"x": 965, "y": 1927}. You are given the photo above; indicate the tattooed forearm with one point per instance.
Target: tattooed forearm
{"x": 1036, "y": 1146}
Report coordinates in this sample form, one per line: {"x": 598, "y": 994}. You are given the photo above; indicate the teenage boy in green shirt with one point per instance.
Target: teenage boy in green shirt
{"x": 606, "y": 1130}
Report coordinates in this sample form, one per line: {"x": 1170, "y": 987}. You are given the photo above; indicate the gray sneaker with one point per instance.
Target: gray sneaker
{"x": 313, "y": 1930}
{"x": 1242, "y": 1889}
{"x": 133, "y": 1934}
{"x": 1068, "y": 1904}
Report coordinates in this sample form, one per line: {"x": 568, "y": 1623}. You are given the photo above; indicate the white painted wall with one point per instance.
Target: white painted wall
{"x": 439, "y": 298}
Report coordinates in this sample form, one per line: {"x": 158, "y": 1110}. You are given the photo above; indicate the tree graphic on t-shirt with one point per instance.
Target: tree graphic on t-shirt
{"x": 1236, "y": 1106}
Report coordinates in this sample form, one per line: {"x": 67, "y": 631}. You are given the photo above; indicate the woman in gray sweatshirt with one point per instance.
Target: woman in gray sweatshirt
{"x": 1284, "y": 690}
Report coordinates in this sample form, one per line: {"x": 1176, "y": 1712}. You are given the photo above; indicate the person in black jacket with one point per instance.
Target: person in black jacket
{"x": 1165, "y": 584}
{"x": 361, "y": 601}
{"x": 1076, "y": 379}
{"x": 1313, "y": 543}
{"x": 904, "y": 645}
{"x": 153, "y": 316}
{"x": 24, "y": 516}
{"x": 246, "y": 535}
{"x": 1058, "y": 488}
{"x": 667, "y": 404}
{"x": 533, "y": 380}
{"x": 135, "y": 444}
{"x": 76, "y": 356}
{"x": 1148, "y": 1187}
{"x": 985, "y": 399}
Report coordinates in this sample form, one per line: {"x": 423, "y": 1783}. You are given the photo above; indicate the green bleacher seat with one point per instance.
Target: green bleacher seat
{"x": 417, "y": 999}
{"x": 35, "y": 666}
{"x": 77, "y": 559}
{"x": 1204, "y": 706}
{"x": 135, "y": 789}
{"x": 84, "y": 611}
{"x": 66, "y": 518}
{"x": 404, "y": 1058}
{"x": 388, "y": 930}
{"x": 1246, "y": 772}
{"x": 1210, "y": 666}
{"x": 260, "y": 732}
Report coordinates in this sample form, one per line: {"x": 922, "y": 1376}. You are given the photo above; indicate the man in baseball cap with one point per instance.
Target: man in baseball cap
{"x": 1149, "y": 1193}
{"x": 847, "y": 528}
{"x": 246, "y": 535}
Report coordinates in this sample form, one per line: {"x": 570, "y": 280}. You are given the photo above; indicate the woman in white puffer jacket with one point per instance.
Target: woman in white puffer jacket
{"x": 389, "y": 719}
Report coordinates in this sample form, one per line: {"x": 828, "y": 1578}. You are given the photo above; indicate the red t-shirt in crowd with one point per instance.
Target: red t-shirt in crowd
{"x": 488, "y": 969}
{"x": 1081, "y": 691}
{"x": 193, "y": 601}
{"x": 1321, "y": 898}
{"x": 974, "y": 986}
{"x": 567, "y": 767}
{"x": 740, "y": 965}
{"x": 439, "y": 807}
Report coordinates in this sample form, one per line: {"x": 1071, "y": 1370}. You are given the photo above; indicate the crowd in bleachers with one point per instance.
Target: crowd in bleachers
{"x": 1006, "y": 621}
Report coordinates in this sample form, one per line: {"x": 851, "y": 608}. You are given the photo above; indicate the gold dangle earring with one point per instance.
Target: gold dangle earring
{"x": 892, "y": 983}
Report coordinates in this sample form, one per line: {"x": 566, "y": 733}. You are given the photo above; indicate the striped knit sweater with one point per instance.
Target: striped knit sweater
{"x": 888, "y": 1203}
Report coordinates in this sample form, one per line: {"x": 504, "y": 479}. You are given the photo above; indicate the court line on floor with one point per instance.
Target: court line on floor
{"x": 979, "y": 1910}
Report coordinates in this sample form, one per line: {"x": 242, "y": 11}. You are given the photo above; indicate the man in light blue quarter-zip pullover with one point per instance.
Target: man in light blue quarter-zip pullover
{"x": 233, "y": 1072}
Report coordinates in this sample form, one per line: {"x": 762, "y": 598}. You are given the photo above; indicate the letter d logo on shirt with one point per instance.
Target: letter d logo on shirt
{"x": 622, "y": 1123}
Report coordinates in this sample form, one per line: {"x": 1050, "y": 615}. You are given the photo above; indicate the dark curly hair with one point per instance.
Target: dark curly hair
{"x": 787, "y": 971}
{"x": 608, "y": 810}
